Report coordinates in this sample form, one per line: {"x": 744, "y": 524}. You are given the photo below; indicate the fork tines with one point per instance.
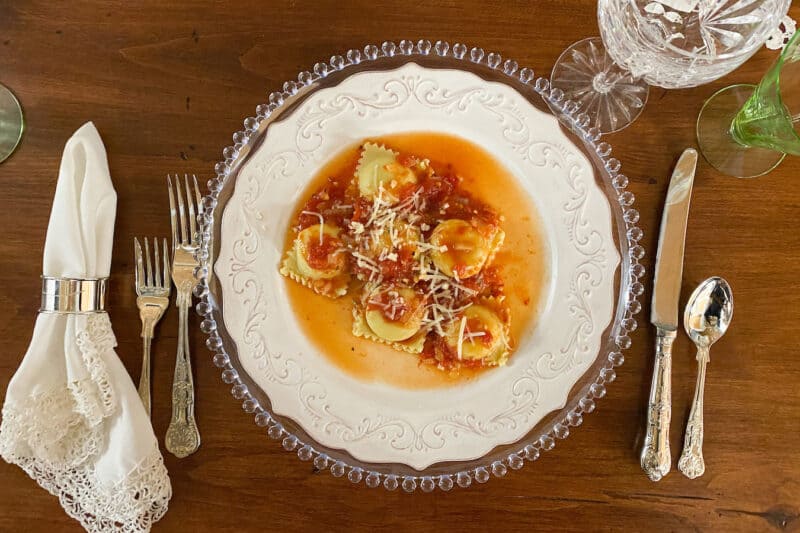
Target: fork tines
{"x": 149, "y": 272}
{"x": 184, "y": 218}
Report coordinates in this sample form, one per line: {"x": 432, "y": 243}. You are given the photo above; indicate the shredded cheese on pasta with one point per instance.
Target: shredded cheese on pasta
{"x": 321, "y": 222}
{"x": 461, "y": 329}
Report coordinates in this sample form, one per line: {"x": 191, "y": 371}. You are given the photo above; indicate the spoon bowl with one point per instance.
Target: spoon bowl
{"x": 709, "y": 312}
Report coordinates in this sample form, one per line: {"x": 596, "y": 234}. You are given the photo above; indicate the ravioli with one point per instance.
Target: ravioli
{"x": 318, "y": 260}
{"x": 479, "y": 333}
{"x": 380, "y": 173}
{"x": 394, "y": 313}
{"x": 463, "y": 249}
{"x": 393, "y": 316}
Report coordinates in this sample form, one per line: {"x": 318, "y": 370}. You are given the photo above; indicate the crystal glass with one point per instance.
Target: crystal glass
{"x": 587, "y": 391}
{"x": 668, "y": 43}
{"x": 11, "y": 123}
{"x": 746, "y": 130}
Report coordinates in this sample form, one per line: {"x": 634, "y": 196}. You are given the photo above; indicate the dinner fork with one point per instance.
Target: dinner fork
{"x": 183, "y": 437}
{"x": 152, "y": 299}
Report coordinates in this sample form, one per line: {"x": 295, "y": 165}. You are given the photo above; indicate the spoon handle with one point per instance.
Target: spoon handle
{"x": 691, "y": 462}
{"x": 656, "y": 456}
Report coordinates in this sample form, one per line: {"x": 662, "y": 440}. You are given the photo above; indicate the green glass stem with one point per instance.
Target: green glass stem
{"x": 745, "y": 131}
{"x": 765, "y": 121}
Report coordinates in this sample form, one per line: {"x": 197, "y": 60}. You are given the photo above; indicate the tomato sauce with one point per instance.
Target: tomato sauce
{"x": 468, "y": 184}
{"x": 325, "y": 255}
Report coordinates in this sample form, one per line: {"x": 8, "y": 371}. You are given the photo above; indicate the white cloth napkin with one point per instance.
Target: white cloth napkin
{"x": 72, "y": 418}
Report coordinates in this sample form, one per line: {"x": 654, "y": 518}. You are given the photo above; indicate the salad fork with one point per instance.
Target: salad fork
{"x": 152, "y": 299}
{"x": 183, "y": 437}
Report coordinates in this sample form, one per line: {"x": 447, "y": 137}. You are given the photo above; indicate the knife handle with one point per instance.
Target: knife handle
{"x": 656, "y": 457}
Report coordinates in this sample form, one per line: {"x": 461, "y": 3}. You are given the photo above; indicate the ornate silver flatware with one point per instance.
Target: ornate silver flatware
{"x": 656, "y": 456}
{"x": 707, "y": 317}
{"x": 183, "y": 437}
{"x": 152, "y": 298}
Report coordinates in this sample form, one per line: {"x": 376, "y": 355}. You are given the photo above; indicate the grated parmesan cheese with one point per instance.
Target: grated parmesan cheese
{"x": 461, "y": 336}
{"x": 441, "y": 297}
{"x": 471, "y": 336}
{"x": 357, "y": 227}
{"x": 321, "y": 222}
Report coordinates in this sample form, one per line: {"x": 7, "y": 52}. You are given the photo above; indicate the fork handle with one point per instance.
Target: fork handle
{"x": 149, "y": 313}
{"x": 144, "y": 379}
{"x": 183, "y": 437}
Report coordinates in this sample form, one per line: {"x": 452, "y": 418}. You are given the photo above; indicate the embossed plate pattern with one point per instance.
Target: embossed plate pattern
{"x": 558, "y": 369}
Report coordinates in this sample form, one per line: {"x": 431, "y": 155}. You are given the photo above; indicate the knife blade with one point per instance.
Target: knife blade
{"x": 656, "y": 457}
{"x": 671, "y": 239}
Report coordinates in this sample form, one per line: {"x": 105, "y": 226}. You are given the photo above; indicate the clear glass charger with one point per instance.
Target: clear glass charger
{"x": 615, "y": 339}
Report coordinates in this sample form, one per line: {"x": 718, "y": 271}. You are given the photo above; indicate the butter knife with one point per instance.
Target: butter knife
{"x": 656, "y": 457}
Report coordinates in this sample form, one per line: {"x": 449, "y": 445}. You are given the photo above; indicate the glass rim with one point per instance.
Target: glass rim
{"x": 745, "y": 51}
{"x": 709, "y": 101}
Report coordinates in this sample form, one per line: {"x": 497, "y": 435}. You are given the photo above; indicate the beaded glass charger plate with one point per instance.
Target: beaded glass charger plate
{"x": 432, "y": 436}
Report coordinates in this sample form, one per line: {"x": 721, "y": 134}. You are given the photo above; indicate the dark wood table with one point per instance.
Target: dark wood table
{"x": 167, "y": 83}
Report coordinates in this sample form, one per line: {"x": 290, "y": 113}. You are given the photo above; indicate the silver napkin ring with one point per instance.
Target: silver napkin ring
{"x": 65, "y": 295}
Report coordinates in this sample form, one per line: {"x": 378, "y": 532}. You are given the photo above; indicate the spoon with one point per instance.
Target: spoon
{"x": 708, "y": 315}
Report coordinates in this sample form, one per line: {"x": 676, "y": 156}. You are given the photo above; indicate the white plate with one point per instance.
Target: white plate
{"x": 378, "y": 423}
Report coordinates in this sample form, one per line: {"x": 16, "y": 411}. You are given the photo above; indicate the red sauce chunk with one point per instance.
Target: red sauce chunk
{"x": 327, "y": 255}
{"x": 401, "y": 268}
{"x": 331, "y": 202}
{"x": 487, "y": 284}
{"x": 438, "y": 352}
{"x": 393, "y": 306}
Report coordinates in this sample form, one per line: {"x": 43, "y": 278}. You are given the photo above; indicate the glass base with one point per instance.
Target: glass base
{"x": 610, "y": 95}
{"x": 718, "y": 145}
{"x": 11, "y": 123}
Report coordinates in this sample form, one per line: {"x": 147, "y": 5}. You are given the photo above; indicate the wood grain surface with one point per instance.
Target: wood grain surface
{"x": 167, "y": 83}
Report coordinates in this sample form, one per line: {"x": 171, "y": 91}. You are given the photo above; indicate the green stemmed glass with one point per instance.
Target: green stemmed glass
{"x": 11, "y": 123}
{"x": 747, "y": 130}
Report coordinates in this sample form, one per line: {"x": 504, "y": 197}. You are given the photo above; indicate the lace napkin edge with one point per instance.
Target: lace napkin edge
{"x": 130, "y": 506}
